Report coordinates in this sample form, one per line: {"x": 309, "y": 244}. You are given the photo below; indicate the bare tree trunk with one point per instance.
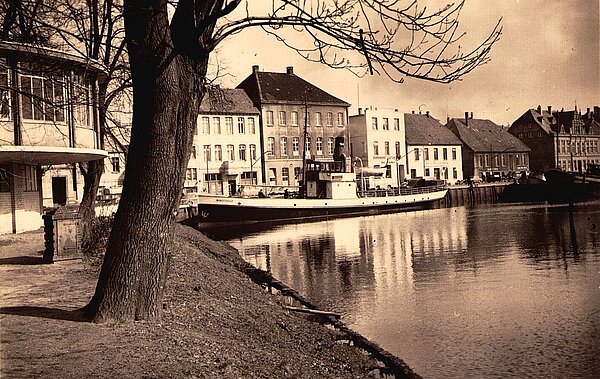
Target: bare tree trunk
{"x": 91, "y": 182}
{"x": 167, "y": 91}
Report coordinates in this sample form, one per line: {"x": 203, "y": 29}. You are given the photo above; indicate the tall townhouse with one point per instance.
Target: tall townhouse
{"x": 48, "y": 121}
{"x": 296, "y": 118}
{"x": 488, "y": 150}
{"x": 226, "y": 149}
{"x": 565, "y": 139}
{"x": 378, "y": 144}
{"x": 433, "y": 152}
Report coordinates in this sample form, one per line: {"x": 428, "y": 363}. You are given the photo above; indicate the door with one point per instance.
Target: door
{"x": 232, "y": 187}
{"x": 59, "y": 190}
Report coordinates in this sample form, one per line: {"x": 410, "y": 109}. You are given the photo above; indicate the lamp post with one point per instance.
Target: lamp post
{"x": 252, "y": 166}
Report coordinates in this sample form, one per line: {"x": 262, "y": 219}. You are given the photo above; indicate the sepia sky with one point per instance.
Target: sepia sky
{"x": 548, "y": 54}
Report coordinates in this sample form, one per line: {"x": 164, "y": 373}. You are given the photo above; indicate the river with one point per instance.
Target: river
{"x": 487, "y": 291}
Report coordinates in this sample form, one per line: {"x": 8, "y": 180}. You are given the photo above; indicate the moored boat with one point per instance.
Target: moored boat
{"x": 328, "y": 192}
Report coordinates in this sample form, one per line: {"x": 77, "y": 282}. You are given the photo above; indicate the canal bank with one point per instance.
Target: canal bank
{"x": 216, "y": 323}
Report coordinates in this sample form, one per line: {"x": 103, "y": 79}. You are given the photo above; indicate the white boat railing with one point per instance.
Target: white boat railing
{"x": 401, "y": 191}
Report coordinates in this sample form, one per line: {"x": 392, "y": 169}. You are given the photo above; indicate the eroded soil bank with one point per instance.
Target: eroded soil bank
{"x": 216, "y": 323}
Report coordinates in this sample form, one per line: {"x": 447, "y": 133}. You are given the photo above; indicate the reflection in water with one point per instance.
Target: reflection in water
{"x": 500, "y": 290}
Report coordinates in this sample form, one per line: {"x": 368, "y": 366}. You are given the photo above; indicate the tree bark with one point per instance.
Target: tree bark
{"x": 167, "y": 88}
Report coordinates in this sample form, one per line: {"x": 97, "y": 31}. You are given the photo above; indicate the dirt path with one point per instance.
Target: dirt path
{"x": 217, "y": 323}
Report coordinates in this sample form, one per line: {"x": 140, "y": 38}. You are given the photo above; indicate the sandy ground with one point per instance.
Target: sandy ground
{"x": 216, "y": 324}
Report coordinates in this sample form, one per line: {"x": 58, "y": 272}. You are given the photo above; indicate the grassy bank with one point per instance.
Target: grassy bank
{"x": 216, "y": 323}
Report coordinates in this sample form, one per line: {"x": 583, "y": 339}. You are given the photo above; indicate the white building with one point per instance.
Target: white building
{"x": 226, "y": 150}
{"x": 378, "y": 145}
{"x": 433, "y": 151}
{"x": 48, "y": 123}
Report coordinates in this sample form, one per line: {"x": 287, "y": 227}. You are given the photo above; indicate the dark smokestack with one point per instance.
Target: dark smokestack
{"x": 255, "y": 68}
{"x": 466, "y": 118}
{"x": 550, "y": 109}
{"x": 290, "y": 70}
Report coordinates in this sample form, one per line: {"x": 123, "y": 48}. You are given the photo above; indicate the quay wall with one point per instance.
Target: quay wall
{"x": 466, "y": 195}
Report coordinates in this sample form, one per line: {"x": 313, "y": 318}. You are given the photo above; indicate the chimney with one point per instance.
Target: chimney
{"x": 360, "y": 111}
{"x": 255, "y": 68}
{"x": 539, "y": 109}
{"x": 447, "y": 119}
{"x": 466, "y": 118}
{"x": 290, "y": 70}
{"x": 413, "y": 112}
{"x": 471, "y": 116}
{"x": 550, "y": 109}
{"x": 427, "y": 113}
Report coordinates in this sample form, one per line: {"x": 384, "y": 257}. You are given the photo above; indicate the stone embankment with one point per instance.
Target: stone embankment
{"x": 217, "y": 323}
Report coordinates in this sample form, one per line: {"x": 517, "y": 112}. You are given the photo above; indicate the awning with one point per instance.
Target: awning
{"x": 48, "y": 155}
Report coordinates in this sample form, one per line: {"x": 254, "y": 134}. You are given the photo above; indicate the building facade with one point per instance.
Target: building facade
{"x": 561, "y": 139}
{"x": 226, "y": 150}
{"x": 378, "y": 145}
{"x": 297, "y": 120}
{"x": 489, "y": 152}
{"x": 48, "y": 119}
{"x": 432, "y": 151}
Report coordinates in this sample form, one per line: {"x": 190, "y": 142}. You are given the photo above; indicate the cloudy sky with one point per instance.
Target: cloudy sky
{"x": 549, "y": 54}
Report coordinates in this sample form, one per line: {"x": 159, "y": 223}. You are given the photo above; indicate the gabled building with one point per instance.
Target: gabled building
{"x": 433, "y": 152}
{"x": 565, "y": 139}
{"x": 487, "y": 149}
{"x": 377, "y": 142}
{"x": 297, "y": 119}
{"x": 48, "y": 121}
{"x": 225, "y": 153}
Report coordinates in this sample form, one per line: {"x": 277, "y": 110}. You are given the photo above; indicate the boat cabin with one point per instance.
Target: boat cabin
{"x": 327, "y": 180}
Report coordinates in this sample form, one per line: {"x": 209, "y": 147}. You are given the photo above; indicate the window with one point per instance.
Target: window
{"x": 386, "y": 146}
{"x": 417, "y": 156}
{"x": 269, "y": 118}
{"x": 330, "y": 145}
{"x": 296, "y": 172}
{"x": 396, "y": 124}
{"x": 426, "y": 172}
{"x": 435, "y": 153}
{"x": 318, "y": 118}
{"x": 30, "y": 178}
{"x": 398, "y": 152}
{"x": 386, "y": 124}
{"x": 206, "y": 153}
{"x": 496, "y": 160}
{"x": 329, "y": 119}
{"x": 193, "y": 155}
{"x": 205, "y": 125}
{"x": 218, "y": 153}
{"x": 242, "y": 152}
{"x": 42, "y": 96}
{"x": 229, "y": 125}
{"x": 375, "y": 148}
{"x": 307, "y": 118}
{"x": 480, "y": 160}
{"x": 295, "y": 146}
{"x": 82, "y": 96}
{"x": 191, "y": 174}
{"x": 486, "y": 159}
{"x": 503, "y": 159}
{"x": 340, "y": 119}
{"x": 453, "y": 153}
{"x": 374, "y": 125}
{"x": 445, "y": 154}
{"x": 241, "y": 125}
{"x": 285, "y": 174}
{"x": 426, "y": 153}
{"x": 230, "y": 153}
{"x": 319, "y": 145}
{"x": 251, "y": 126}
{"x": 116, "y": 167}
{"x": 253, "y": 152}
{"x": 283, "y": 146}
{"x": 217, "y": 125}
{"x": 4, "y": 178}
{"x": 454, "y": 173}
{"x": 294, "y": 120}
{"x": 282, "y": 118}
{"x": 4, "y": 93}
{"x": 307, "y": 144}
{"x": 271, "y": 145}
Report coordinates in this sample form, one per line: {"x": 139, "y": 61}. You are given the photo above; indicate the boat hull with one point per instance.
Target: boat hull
{"x": 219, "y": 210}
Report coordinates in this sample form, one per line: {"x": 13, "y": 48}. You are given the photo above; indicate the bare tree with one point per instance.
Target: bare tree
{"x": 169, "y": 44}
{"x": 169, "y": 58}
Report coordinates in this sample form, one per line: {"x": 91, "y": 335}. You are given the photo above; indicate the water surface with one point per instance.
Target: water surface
{"x": 491, "y": 291}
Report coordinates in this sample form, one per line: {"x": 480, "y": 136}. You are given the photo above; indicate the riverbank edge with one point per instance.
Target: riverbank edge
{"x": 247, "y": 331}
